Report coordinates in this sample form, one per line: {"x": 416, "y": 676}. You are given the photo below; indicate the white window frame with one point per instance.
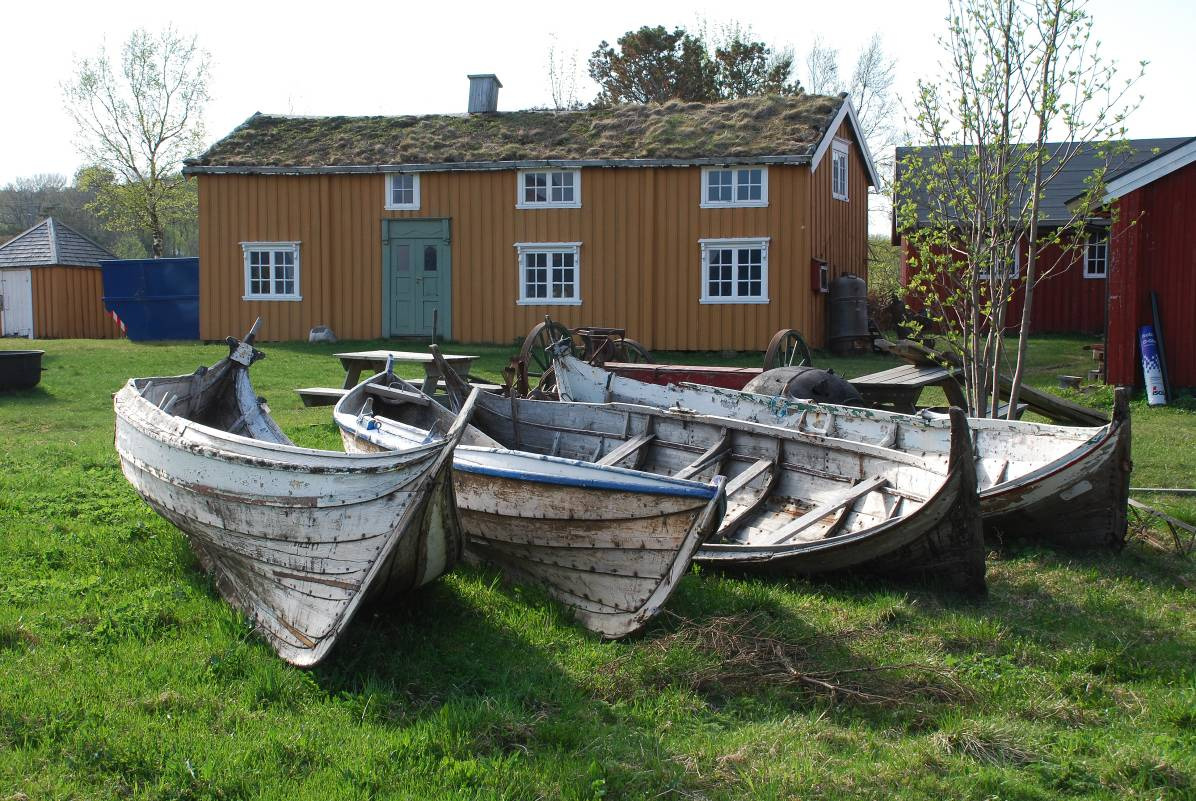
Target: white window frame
{"x": 705, "y": 201}
{"x": 390, "y": 204}
{"x": 520, "y": 203}
{"x": 1017, "y": 265}
{"x": 1088, "y": 243}
{"x": 708, "y": 245}
{"x": 841, "y": 163}
{"x": 523, "y": 248}
{"x": 250, "y": 247}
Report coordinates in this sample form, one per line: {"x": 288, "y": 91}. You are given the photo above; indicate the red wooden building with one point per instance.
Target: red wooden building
{"x": 1073, "y": 298}
{"x": 1153, "y": 249}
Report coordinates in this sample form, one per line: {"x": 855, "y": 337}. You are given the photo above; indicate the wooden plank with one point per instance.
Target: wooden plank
{"x": 628, "y": 448}
{"x": 715, "y": 453}
{"x": 320, "y": 396}
{"x": 391, "y": 393}
{"x": 846, "y": 498}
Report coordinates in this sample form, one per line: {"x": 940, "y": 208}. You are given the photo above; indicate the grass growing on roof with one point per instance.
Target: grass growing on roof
{"x": 123, "y": 674}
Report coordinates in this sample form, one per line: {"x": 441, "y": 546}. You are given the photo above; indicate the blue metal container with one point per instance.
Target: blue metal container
{"x": 155, "y": 299}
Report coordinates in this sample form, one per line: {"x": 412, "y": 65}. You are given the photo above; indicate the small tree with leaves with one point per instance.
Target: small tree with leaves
{"x": 137, "y": 121}
{"x": 1018, "y": 72}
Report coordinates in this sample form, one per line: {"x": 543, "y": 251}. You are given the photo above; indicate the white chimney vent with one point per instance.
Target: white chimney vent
{"x": 483, "y": 93}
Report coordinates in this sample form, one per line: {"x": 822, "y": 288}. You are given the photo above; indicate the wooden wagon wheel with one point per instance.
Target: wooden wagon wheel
{"x": 534, "y": 360}
{"x": 787, "y": 349}
{"x": 635, "y": 353}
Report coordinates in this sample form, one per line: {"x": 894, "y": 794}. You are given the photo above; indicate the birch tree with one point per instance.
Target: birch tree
{"x": 137, "y": 120}
{"x": 1016, "y": 74}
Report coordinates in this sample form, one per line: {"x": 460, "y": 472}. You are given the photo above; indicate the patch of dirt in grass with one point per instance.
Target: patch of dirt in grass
{"x": 15, "y": 636}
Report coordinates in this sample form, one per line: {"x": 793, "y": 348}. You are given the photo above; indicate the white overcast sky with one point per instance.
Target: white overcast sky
{"x": 405, "y": 57}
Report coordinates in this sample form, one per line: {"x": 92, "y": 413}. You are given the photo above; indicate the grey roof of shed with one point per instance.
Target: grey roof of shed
{"x": 50, "y": 243}
{"x": 1069, "y": 184}
{"x": 769, "y": 129}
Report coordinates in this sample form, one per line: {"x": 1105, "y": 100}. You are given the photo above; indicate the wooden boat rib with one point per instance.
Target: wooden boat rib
{"x": 796, "y": 502}
{"x": 1062, "y": 484}
{"x": 610, "y": 542}
{"x": 295, "y": 538}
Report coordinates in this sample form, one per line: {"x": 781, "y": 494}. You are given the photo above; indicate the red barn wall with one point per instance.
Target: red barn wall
{"x": 1064, "y": 302}
{"x": 1154, "y": 248}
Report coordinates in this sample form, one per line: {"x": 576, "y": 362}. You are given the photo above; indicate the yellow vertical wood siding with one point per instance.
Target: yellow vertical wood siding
{"x": 68, "y": 304}
{"x": 640, "y": 261}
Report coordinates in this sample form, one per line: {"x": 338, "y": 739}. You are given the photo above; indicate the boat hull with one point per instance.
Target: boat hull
{"x": 296, "y": 539}
{"x": 610, "y": 544}
{"x": 1066, "y": 486}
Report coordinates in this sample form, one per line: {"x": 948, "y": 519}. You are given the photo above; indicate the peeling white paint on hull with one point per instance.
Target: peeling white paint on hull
{"x": 296, "y": 538}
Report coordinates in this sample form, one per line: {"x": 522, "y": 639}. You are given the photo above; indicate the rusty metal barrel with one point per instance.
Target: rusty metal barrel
{"x": 849, "y": 315}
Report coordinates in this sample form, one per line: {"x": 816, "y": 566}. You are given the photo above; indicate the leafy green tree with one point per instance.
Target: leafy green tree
{"x": 137, "y": 121}
{"x": 1018, "y": 71}
{"x": 654, "y": 64}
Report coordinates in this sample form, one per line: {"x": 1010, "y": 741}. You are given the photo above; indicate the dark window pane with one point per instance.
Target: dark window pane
{"x": 430, "y": 258}
{"x": 403, "y": 258}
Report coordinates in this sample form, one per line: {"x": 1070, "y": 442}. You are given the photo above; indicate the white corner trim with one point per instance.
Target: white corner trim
{"x": 846, "y": 111}
{"x": 573, "y": 204}
{"x": 414, "y": 205}
{"x": 1151, "y": 171}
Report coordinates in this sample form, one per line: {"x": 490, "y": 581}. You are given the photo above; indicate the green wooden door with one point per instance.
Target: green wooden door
{"x": 417, "y": 278}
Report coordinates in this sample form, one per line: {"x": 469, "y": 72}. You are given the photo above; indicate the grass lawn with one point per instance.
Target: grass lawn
{"x": 123, "y": 674}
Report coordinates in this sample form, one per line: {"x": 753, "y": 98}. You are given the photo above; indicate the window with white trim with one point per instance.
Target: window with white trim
{"x": 1096, "y": 255}
{"x": 402, "y": 191}
{"x": 839, "y": 162}
{"x": 984, "y": 275}
{"x": 271, "y": 270}
{"x": 549, "y": 189}
{"x": 548, "y": 273}
{"x": 734, "y": 186}
{"x": 734, "y": 270}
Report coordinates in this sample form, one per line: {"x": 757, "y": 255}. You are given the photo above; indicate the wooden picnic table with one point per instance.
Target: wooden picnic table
{"x": 899, "y": 388}
{"x": 358, "y": 361}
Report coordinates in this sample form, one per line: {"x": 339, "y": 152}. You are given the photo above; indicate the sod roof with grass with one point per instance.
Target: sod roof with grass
{"x": 770, "y": 129}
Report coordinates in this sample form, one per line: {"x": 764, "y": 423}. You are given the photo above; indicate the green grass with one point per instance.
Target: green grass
{"x": 123, "y": 674}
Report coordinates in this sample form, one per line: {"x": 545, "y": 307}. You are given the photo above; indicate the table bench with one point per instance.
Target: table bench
{"x": 357, "y": 362}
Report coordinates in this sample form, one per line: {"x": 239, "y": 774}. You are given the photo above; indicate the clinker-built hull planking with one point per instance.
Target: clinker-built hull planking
{"x": 295, "y": 538}
{"x": 1061, "y": 484}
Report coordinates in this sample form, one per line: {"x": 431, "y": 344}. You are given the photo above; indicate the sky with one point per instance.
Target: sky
{"x": 412, "y": 58}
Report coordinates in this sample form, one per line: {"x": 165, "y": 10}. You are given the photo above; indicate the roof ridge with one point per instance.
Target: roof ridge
{"x": 53, "y": 232}
{"x": 85, "y": 238}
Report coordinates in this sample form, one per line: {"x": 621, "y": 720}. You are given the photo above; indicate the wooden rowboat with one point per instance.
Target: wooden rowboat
{"x": 296, "y": 538}
{"x": 797, "y": 502}
{"x": 1061, "y": 484}
{"x": 610, "y": 542}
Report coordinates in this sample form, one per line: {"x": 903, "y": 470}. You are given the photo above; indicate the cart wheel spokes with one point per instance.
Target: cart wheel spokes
{"x": 787, "y": 349}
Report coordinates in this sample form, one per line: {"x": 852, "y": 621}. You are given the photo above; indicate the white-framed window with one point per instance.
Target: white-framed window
{"x": 271, "y": 271}
{"x": 839, "y": 163}
{"x": 735, "y": 270}
{"x": 724, "y": 187}
{"x": 1096, "y": 255}
{"x": 549, "y": 273}
{"x": 402, "y": 191}
{"x": 548, "y": 189}
{"x": 1016, "y": 266}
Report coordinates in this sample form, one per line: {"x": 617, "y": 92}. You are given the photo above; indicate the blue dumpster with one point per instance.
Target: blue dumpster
{"x": 154, "y": 298}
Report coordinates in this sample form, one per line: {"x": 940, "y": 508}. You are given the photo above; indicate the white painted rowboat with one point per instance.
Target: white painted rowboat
{"x": 796, "y": 503}
{"x": 295, "y": 538}
{"x": 610, "y": 542}
{"x": 1060, "y": 484}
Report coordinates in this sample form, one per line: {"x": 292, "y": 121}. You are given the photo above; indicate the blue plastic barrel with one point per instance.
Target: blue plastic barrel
{"x": 156, "y": 299}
